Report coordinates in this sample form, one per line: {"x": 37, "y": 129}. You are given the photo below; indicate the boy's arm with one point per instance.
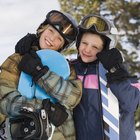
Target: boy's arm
{"x": 127, "y": 94}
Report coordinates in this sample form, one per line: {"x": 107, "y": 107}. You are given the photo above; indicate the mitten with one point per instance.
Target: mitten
{"x": 56, "y": 112}
{"x": 110, "y": 58}
{"x": 118, "y": 75}
{"x": 112, "y": 61}
{"x": 32, "y": 65}
{"x": 25, "y": 44}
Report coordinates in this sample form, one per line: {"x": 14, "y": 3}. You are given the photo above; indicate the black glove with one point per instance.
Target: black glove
{"x": 110, "y": 58}
{"x": 112, "y": 61}
{"x": 24, "y": 44}
{"x": 56, "y": 112}
{"x": 32, "y": 65}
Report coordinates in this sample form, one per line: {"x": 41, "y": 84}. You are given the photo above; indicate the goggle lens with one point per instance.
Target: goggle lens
{"x": 100, "y": 24}
{"x": 62, "y": 24}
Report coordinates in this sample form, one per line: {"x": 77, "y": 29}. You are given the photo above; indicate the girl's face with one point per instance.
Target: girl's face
{"x": 51, "y": 39}
{"x": 90, "y": 45}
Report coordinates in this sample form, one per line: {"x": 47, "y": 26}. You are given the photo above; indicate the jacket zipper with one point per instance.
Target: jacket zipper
{"x": 86, "y": 114}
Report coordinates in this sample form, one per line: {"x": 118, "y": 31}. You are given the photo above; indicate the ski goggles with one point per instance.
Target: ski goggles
{"x": 63, "y": 25}
{"x": 100, "y": 23}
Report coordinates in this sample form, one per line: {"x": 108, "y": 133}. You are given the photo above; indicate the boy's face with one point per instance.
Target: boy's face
{"x": 51, "y": 39}
{"x": 90, "y": 45}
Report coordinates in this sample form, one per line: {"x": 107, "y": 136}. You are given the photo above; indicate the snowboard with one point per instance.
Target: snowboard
{"x": 57, "y": 64}
{"x": 110, "y": 108}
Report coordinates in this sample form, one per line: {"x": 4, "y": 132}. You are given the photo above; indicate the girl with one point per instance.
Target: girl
{"x": 56, "y": 33}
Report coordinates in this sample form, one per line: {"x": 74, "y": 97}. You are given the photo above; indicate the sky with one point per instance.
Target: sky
{"x": 19, "y": 17}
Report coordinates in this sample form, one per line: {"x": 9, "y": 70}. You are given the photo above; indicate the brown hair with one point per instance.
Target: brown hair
{"x": 42, "y": 29}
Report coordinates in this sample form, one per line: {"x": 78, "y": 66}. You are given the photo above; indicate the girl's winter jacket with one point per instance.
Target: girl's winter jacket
{"x": 68, "y": 92}
{"x": 87, "y": 116}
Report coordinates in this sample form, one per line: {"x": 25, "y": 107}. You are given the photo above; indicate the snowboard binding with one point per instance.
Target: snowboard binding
{"x": 27, "y": 126}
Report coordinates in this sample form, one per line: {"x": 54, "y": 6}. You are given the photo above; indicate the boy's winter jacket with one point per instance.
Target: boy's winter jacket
{"x": 87, "y": 116}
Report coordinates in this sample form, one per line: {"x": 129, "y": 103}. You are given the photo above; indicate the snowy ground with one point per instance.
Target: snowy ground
{"x": 138, "y": 135}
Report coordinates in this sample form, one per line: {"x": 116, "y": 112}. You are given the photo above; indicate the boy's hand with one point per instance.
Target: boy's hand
{"x": 110, "y": 58}
{"x": 24, "y": 44}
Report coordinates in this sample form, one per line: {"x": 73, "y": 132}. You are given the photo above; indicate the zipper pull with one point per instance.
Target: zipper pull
{"x": 43, "y": 114}
{"x": 85, "y": 71}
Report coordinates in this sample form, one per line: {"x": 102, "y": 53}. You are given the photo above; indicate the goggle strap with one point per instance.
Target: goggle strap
{"x": 114, "y": 30}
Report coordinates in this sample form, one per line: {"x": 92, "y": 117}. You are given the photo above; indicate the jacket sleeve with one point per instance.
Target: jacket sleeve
{"x": 67, "y": 92}
{"x": 10, "y": 98}
{"x": 127, "y": 93}
{"x": 9, "y": 75}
